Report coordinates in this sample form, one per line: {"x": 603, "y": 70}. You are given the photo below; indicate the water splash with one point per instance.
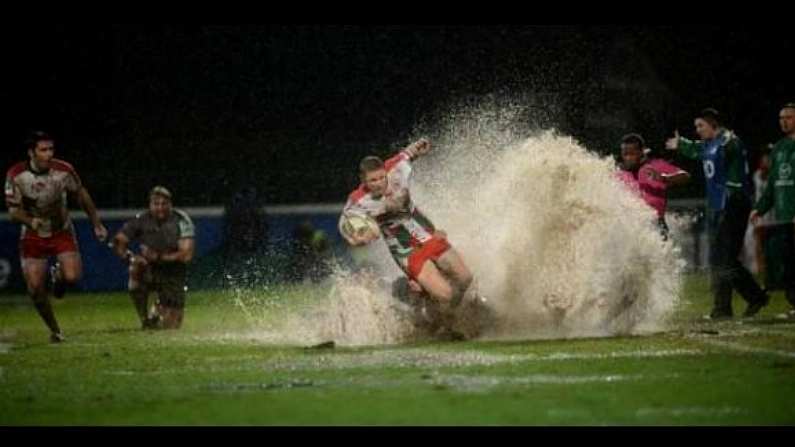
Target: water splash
{"x": 560, "y": 248}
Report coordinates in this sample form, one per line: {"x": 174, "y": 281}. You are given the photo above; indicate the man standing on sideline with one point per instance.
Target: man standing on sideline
{"x": 725, "y": 163}
{"x": 779, "y": 195}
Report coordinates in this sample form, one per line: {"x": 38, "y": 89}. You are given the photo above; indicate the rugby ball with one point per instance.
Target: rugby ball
{"x": 359, "y": 224}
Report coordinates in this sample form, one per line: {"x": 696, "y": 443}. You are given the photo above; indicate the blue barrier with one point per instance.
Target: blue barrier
{"x": 103, "y": 271}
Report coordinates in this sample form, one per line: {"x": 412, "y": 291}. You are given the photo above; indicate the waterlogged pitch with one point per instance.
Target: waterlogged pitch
{"x": 230, "y": 364}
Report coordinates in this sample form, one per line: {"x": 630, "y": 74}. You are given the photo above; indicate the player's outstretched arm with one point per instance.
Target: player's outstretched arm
{"x": 120, "y": 245}
{"x": 88, "y": 206}
{"x": 678, "y": 178}
{"x": 418, "y": 148}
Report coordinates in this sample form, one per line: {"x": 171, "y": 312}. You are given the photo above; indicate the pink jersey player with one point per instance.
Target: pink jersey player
{"x": 649, "y": 182}
{"x": 649, "y": 178}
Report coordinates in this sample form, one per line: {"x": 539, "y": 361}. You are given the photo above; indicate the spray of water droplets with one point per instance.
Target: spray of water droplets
{"x": 557, "y": 245}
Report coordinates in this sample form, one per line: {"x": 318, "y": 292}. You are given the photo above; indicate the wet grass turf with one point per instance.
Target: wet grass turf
{"x": 110, "y": 372}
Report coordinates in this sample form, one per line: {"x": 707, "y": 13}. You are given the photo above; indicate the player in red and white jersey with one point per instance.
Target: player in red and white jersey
{"x": 419, "y": 248}
{"x": 36, "y": 196}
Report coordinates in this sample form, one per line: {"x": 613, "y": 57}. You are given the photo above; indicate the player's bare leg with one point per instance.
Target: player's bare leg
{"x": 71, "y": 267}
{"x": 433, "y": 281}
{"x": 35, "y": 271}
{"x": 452, "y": 265}
{"x": 68, "y": 270}
{"x": 440, "y": 289}
{"x": 171, "y": 304}
{"x": 139, "y": 293}
{"x": 427, "y": 311}
{"x": 473, "y": 314}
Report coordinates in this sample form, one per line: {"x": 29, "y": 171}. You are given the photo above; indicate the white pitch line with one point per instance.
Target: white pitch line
{"x": 778, "y": 333}
{"x": 749, "y": 349}
{"x": 121, "y": 373}
{"x": 756, "y": 331}
{"x": 423, "y": 358}
{"x": 690, "y": 411}
{"x": 620, "y": 354}
{"x": 476, "y": 383}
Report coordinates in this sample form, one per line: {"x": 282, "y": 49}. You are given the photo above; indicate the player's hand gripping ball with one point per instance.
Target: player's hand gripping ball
{"x": 360, "y": 227}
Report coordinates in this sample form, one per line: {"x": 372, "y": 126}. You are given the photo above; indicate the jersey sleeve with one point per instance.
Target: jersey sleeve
{"x": 132, "y": 228}
{"x": 72, "y": 182}
{"x": 663, "y": 167}
{"x": 766, "y": 199}
{"x": 12, "y": 192}
{"x": 690, "y": 149}
{"x": 400, "y": 171}
{"x": 185, "y": 225}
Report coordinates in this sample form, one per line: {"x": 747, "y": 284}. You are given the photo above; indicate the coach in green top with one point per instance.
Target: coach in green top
{"x": 725, "y": 163}
{"x": 780, "y": 196}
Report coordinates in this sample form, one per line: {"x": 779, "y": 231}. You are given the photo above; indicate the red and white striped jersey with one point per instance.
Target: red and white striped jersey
{"x": 42, "y": 194}
{"x": 403, "y": 230}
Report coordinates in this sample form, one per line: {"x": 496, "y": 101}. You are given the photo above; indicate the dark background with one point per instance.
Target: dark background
{"x": 289, "y": 110}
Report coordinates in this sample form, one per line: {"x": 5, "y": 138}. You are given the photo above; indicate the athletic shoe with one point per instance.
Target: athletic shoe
{"x": 754, "y": 308}
{"x": 152, "y": 322}
{"x": 57, "y": 337}
{"x": 789, "y": 315}
{"x": 717, "y": 317}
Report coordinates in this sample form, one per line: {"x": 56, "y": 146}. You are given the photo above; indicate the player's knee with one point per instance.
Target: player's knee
{"x": 72, "y": 276}
{"x": 133, "y": 285}
{"x": 444, "y": 292}
{"x": 36, "y": 286}
{"x": 38, "y": 294}
{"x": 465, "y": 280}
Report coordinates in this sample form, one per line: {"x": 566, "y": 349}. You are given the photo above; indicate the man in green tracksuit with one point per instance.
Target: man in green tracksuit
{"x": 725, "y": 163}
{"x": 780, "y": 196}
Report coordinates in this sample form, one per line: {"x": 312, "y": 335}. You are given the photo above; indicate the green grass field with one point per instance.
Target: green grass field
{"x": 111, "y": 373}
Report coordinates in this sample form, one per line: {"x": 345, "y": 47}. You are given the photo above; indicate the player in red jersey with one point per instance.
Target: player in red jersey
{"x": 421, "y": 250}
{"x": 36, "y": 196}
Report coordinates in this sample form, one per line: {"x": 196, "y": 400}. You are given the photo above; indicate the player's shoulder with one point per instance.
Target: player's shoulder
{"x": 60, "y": 165}
{"x": 730, "y": 138}
{"x": 182, "y": 215}
{"x": 357, "y": 194}
{"x": 17, "y": 169}
{"x": 401, "y": 157}
{"x": 784, "y": 144}
{"x": 184, "y": 223}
